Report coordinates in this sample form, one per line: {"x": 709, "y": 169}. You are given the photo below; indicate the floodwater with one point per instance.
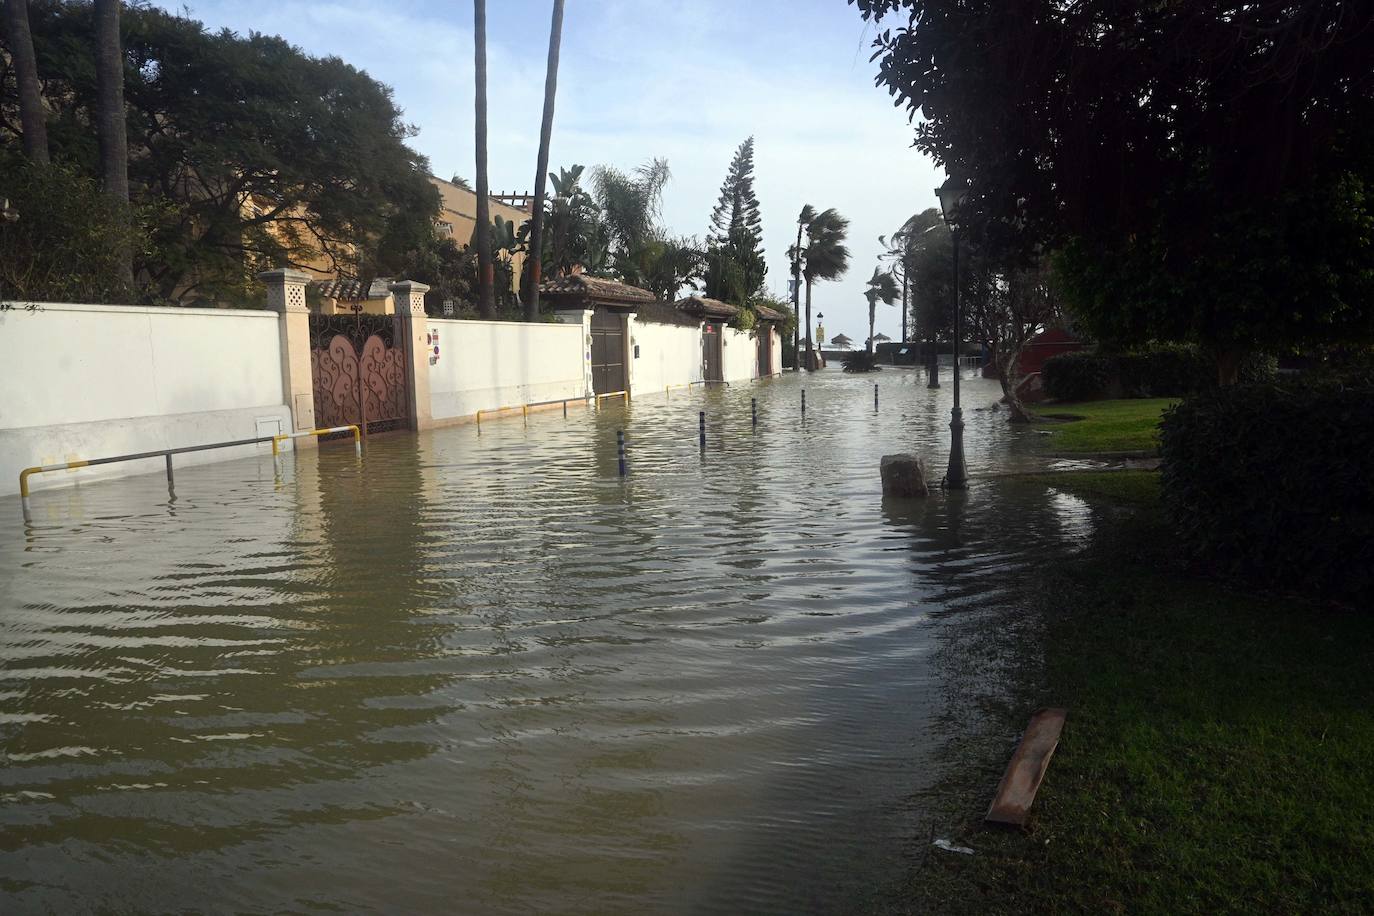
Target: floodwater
{"x": 477, "y": 672}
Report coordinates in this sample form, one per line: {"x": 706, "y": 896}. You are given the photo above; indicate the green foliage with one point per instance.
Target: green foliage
{"x": 244, "y": 152}
{"x": 735, "y": 264}
{"x": 1271, "y": 483}
{"x": 1077, "y": 376}
{"x": 789, "y": 324}
{"x": 575, "y": 233}
{"x": 861, "y": 361}
{"x": 1196, "y": 198}
{"x": 663, "y": 266}
{"x": 68, "y": 241}
{"x": 1162, "y": 371}
{"x": 630, "y": 204}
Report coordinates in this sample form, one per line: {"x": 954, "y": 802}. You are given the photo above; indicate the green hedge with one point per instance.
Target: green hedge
{"x": 1272, "y": 483}
{"x": 1166, "y": 371}
{"x": 1077, "y": 376}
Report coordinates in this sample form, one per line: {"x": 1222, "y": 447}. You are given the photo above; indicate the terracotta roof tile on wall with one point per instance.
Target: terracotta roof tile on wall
{"x": 767, "y": 314}
{"x": 708, "y": 308}
{"x": 665, "y": 313}
{"x": 581, "y": 290}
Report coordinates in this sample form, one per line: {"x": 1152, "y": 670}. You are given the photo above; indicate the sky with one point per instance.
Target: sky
{"x": 685, "y": 80}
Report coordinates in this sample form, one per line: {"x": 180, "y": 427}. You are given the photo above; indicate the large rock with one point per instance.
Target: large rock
{"x": 904, "y": 476}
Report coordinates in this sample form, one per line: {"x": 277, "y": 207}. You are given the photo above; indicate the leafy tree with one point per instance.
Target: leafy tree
{"x": 534, "y": 266}
{"x": 69, "y": 241}
{"x": 663, "y": 266}
{"x": 1206, "y": 168}
{"x": 736, "y": 266}
{"x": 244, "y": 153}
{"x": 825, "y": 257}
{"x": 808, "y": 213}
{"x": 1005, "y": 309}
{"x": 577, "y": 236}
{"x": 881, "y": 288}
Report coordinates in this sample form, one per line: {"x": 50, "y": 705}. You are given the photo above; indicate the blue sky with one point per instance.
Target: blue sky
{"x": 686, "y": 80}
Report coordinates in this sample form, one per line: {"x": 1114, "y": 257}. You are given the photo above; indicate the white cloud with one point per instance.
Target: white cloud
{"x": 683, "y": 79}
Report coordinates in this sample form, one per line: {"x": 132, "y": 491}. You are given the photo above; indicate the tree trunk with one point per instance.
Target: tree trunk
{"x": 1008, "y": 361}
{"x": 1228, "y": 360}
{"x": 872, "y": 306}
{"x": 810, "y": 344}
{"x": 32, "y": 117}
{"x": 481, "y": 234}
{"x": 110, "y": 115}
{"x": 904, "y": 305}
{"x": 534, "y": 258}
{"x": 796, "y": 301}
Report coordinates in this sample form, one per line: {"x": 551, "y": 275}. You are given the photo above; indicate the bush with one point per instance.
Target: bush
{"x": 1163, "y": 371}
{"x": 1077, "y": 376}
{"x": 861, "y": 361}
{"x": 1271, "y": 483}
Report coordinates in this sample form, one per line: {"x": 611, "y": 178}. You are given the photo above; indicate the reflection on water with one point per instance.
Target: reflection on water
{"x": 478, "y": 672}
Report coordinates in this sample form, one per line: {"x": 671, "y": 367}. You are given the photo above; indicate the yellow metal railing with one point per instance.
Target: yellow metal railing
{"x": 357, "y": 437}
{"x": 165, "y": 453}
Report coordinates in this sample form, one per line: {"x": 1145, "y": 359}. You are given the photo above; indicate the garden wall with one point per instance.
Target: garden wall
{"x": 92, "y": 381}
{"x": 739, "y": 355}
{"x": 484, "y": 365}
{"x": 669, "y": 355}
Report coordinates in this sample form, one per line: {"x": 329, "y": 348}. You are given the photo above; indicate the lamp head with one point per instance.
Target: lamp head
{"x": 951, "y": 195}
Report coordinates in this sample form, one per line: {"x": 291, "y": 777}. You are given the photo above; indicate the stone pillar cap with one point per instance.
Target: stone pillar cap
{"x": 286, "y": 274}
{"x": 408, "y": 286}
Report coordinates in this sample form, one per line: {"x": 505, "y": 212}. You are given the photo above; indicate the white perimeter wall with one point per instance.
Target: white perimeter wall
{"x": 93, "y": 381}
{"x": 669, "y": 354}
{"x": 740, "y": 355}
{"x": 484, "y": 365}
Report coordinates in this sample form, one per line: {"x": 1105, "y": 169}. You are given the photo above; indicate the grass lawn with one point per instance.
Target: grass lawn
{"x": 1130, "y": 425}
{"x": 1219, "y": 750}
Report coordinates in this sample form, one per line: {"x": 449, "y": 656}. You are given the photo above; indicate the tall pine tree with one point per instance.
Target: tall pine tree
{"x": 736, "y": 268}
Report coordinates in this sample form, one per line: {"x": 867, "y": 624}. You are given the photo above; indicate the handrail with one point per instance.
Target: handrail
{"x": 688, "y": 386}
{"x": 357, "y": 437}
{"x": 611, "y": 394}
{"x": 166, "y": 453}
{"x": 525, "y": 408}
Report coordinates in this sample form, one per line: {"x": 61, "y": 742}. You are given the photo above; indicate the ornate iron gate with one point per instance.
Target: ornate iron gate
{"x": 358, "y": 364}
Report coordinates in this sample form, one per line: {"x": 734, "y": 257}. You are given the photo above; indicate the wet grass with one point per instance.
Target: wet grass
{"x": 1130, "y": 425}
{"x": 1217, "y": 753}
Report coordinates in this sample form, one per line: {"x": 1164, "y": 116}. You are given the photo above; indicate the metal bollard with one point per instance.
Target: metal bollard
{"x": 875, "y": 397}
{"x": 620, "y": 449}
{"x": 753, "y": 411}
{"x": 701, "y": 428}
{"x": 565, "y": 410}
{"x": 803, "y": 402}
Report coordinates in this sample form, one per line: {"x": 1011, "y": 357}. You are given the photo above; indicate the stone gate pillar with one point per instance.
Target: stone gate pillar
{"x": 411, "y": 320}
{"x": 286, "y": 297}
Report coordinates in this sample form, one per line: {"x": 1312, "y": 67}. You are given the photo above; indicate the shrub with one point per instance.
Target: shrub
{"x": 1162, "y": 371}
{"x": 861, "y": 361}
{"x": 1271, "y": 483}
{"x": 1077, "y": 376}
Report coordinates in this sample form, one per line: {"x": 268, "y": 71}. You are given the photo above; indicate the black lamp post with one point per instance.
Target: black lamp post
{"x": 951, "y": 195}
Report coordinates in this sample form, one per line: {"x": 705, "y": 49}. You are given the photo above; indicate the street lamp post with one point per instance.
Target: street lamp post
{"x": 951, "y": 195}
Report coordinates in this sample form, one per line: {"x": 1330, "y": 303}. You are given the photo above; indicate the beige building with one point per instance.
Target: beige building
{"x": 458, "y": 217}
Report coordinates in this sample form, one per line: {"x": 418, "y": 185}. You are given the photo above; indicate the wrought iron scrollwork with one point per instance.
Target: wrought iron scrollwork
{"x": 359, "y": 372}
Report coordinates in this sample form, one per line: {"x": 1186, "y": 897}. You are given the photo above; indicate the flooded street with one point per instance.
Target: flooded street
{"x": 478, "y": 672}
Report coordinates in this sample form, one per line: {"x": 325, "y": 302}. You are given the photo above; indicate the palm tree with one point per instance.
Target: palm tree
{"x": 880, "y": 286}
{"x": 110, "y": 115}
{"x": 533, "y": 265}
{"x": 31, "y": 115}
{"x": 808, "y": 213}
{"x": 825, "y": 257}
{"x": 486, "y": 306}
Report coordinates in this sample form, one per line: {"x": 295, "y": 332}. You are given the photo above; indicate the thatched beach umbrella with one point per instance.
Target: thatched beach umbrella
{"x": 839, "y": 340}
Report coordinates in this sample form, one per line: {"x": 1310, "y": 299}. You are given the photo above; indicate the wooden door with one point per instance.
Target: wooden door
{"x": 608, "y": 352}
